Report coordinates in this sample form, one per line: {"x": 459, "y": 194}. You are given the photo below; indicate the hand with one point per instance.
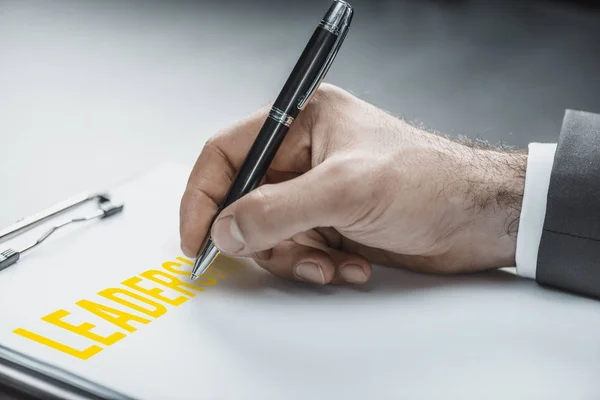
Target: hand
{"x": 352, "y": 185}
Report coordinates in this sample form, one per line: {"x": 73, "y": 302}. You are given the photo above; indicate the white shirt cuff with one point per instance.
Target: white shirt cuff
{"x": 533, "y": 211}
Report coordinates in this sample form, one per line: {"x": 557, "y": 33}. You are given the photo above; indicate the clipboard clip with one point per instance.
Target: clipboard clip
{"x": 106, "y": 209}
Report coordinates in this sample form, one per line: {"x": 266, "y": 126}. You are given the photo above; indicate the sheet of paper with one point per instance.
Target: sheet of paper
{"x": 244, "y": 334}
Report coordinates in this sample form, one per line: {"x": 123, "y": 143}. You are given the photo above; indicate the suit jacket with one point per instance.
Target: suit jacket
{"x": 569, "y": 252}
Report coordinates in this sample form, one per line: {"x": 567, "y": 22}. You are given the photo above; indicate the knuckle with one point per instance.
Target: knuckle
{"x": 327, "y": 97}
{"x": 214, "y": 147}
{"x": 330, "y": 91}
{"x": 218, "y": 141}
{"x": 212, "y": 143}
{"x": 325, "y": 114}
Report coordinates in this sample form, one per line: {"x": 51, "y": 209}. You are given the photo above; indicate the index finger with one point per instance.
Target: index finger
{"x": 216, "y": 167}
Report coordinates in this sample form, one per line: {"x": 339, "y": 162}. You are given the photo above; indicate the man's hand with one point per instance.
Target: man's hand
{"x": 352, "y": 185}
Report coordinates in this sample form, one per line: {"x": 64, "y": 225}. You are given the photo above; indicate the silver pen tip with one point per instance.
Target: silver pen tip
{"x": 204, "y": 260}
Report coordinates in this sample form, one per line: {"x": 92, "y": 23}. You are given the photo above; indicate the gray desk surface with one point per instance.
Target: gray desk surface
{"x": 94, "y": 92}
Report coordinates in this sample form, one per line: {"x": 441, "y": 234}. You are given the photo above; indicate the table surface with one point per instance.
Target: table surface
{"x": 95, "y": 92}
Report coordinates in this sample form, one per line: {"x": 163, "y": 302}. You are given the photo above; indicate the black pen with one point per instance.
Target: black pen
{"x": 310, "y": 69}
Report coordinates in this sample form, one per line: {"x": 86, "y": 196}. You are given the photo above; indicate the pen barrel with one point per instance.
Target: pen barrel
{"x": 257, "y": 161}
{"x": 306, "y": 71}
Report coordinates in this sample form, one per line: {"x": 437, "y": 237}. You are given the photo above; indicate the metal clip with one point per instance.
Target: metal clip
{"x": 337, "y": 21}
{"x": 105, "y": 209}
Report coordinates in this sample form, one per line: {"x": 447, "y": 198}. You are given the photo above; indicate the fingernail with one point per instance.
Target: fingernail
{"x": 353, "y": 273}
{"x": 311, "y": 272}
{"x": 227, "y": 235}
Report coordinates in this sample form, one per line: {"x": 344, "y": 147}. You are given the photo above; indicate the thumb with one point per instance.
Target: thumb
{"x": 273, "y": 213}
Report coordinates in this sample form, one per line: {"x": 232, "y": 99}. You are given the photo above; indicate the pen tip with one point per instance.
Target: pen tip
{"x": 203, "y": 261}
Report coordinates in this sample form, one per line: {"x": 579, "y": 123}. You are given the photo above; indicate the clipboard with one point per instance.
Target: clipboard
{"x": 84, "y": 233}
{"x": 28, "y": 375}
{"x": 246, "y": 334}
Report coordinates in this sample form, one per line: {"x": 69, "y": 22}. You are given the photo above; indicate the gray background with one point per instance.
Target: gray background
{"x": 96, "y": 92}
{"x": 93, "y": 92}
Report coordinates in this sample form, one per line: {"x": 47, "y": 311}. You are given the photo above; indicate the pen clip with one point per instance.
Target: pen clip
{"x": 343, "y": 30}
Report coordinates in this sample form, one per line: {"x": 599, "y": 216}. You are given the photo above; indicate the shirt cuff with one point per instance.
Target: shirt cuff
{"x": 533, "y": 210}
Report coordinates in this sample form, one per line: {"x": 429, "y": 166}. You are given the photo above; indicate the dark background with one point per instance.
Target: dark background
{"x": 503, "y": 71}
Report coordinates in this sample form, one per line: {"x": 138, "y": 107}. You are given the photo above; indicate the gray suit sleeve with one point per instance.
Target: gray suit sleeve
{"x": 569, "y": 252}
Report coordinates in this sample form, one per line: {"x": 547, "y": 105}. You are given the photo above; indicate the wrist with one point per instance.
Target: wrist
{"x": 495, "y": 186}
{"x": 476, "y": 192}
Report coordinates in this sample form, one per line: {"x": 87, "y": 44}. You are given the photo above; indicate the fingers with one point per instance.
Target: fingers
{"x": 273, "y": 213}
{"x": 293, "y": 261}
{"x": 299, "y": 262}
{"x": 216, "y": 167}
{"x": 350, "y": 267}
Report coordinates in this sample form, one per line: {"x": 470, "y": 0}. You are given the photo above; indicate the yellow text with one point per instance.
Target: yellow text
{"x": 144, "y": 293}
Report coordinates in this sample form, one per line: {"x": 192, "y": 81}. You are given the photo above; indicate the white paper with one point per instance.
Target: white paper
{"x": 254, "y": 336}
